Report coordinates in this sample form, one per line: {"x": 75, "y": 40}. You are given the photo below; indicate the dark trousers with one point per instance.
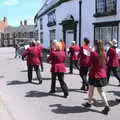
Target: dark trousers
{"x": 115, "y": 73}
{"x": 73, "y": 62}
{"x": 61, "y": 80}
{"x": 37, "y": 70}
{"x": 42, "y": 68}
{"x": 83, "y": 74}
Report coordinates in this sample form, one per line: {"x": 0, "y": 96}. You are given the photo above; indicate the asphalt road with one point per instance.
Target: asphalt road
{"x": 20, "y": 100}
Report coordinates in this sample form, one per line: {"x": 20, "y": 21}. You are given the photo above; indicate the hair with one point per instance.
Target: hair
{"x": 86, "y": 41}
{"x": 100, "y": 50}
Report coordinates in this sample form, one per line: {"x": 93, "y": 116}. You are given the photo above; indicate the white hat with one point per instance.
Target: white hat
{"x": 55, "y": 41}
{"x": 114, "y": 41}
{"x": 38, "y": 41}
{"x": 73, "y": 42}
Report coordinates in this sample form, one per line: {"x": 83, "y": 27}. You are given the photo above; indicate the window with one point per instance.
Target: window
{"x": 106, "y": 32}
{"x": 52, "y": 35}
{"x": 41, "y": 23}
{"x": 41, "y": 38}
{"x": 51, "y": 19}
{"x": 31, "y": 34}
{"x": 105, "y": 7}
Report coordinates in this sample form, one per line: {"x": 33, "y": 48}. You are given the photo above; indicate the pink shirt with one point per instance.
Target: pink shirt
{"x": 98, "y": 69}
{"x": 57, "y": 60}
{"x": 112, "y": 57}
{"x": 84, "y": 56}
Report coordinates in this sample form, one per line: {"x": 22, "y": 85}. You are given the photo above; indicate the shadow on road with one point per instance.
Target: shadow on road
{"x": 40, "y": 94}
{"x": 116, "y": 93}
{"x": 43, "y": 78}
{"x": 1, "y": 76}
{"x": 16, "y": 82}
{"x": 60, "y": 109}
{"x": 58, "y": 89}
{"x": 23, "y": 70}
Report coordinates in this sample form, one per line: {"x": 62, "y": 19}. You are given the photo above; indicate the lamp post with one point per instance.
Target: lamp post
{"x": 80, "y": 21}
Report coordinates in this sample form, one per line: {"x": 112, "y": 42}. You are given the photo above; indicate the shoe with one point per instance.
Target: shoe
{"x": 52, "y": 91}
{"x": 29, "y": 81}
{"x": 82, "y": 88}
{"x": 106, "y": 110}
{"x": 65, "y": 95}
{"x": 87, "y": 105}
{"x": 119, "y": 85}
{"x": 117, "y": 100}
{"x": 40, "y": 82}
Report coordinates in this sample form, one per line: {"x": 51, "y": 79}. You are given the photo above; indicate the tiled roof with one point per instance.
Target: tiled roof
{"x": 22, "y": 28}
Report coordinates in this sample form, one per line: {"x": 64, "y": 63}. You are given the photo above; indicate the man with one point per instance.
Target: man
{"x": 33, "y": 56}
{"x": 84, "y": 57}
{"x": 73, "y": 53}
{"x": 41, "y": 48}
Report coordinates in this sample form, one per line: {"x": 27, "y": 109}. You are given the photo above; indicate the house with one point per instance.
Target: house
{"x": 3, "y": 25}
{"x": 22, "y": 33}
{"x": 101, "y": 20}
{"x": 75, "y": 19}
{"x": 58, "y": 19}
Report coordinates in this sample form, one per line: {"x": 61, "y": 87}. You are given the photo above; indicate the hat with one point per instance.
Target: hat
{"x": 73, "y": 42}
{"x": 55, "y": 41}
{"x": 113, "y": 43}
{"x": 38, "y": 42}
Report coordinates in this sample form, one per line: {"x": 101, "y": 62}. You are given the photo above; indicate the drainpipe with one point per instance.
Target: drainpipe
{"x": 80, "y": 21}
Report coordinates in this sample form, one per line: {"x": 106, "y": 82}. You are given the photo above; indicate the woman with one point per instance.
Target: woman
{"x": 113, "y": 61}
{"x": 97, "y": 75}
{"x": 57, "y": 59}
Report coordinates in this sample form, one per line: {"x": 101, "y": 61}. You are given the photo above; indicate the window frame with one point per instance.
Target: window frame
{"x": 107, "y": 24}
{"x": 105, "y": 12}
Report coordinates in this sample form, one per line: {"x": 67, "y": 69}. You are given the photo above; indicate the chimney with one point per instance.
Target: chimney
{"x": 21, "y": 23}
{"x": 5, "y": 19}
{"x": 25, "y": 22}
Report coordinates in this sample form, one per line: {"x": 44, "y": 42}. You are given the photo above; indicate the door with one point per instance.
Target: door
{"x": 69, "y": 38}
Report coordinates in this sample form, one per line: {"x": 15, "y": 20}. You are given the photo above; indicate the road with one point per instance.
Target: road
{"x": 20, "y": 100}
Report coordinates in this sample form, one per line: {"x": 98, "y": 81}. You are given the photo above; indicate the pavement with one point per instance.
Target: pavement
{"x": 20, "y": 100}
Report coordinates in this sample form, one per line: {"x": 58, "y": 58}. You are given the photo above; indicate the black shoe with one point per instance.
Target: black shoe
{"x": 40, "y": 82}
{"x": 119, "y": 85}
{"x": 117, "y": 100}
{"x": 87, "y": 105}
{"x": 82, "y": 88}
{"x": 52, "y": 91}
{"x": 106, "y": 110}
{"x": 65, "y": 95}
{"x": 29, "y": 81}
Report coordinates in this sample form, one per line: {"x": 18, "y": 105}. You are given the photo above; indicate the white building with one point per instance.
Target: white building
{"x": 75, "y": 19}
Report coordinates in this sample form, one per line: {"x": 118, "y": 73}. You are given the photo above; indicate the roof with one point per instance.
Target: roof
{"x": 22, "y": 28}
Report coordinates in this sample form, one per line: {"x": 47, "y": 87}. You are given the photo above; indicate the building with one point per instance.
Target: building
{"x": 102, "y": 21}
{"x": 22, "y": 33}
{"x": 3, "y": 25}
{"x": 75, "y": 19}
{"x": 58, "y": 19}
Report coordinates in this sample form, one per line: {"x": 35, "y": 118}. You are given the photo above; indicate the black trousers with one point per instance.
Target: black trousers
{"x": 61, "y": 80}
{"x": 73, "y": 62}
{"x": 115, "y": 73}
{"x": 37, "y": 70}
{"x": 83, "y": 74}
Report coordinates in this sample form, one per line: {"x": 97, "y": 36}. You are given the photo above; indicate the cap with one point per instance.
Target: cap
{"x": 73, "y": 42}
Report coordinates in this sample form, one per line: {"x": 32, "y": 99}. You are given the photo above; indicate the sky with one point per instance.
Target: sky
{"x": 17, "y": 10}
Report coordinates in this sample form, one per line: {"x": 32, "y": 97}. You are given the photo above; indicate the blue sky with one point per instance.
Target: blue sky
{"x": 17, "y": 10}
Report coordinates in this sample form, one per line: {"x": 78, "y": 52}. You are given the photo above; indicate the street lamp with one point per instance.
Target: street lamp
{"x": 80, "y": 21}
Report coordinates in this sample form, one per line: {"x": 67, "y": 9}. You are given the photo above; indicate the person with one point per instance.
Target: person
{"x": 73, "y": 53}
{"x": 98, "y": 75}
{"x": 83, "y": 60}
{"x": 16, "y": 46}
{"x": 41, "y": 48}
{"x": 62, "y": 45}
{"x": 57, "y": 59}
{"x": 113, "y": 61}
{"x": 53, "y": 46}
{"x": 33, "y": 56}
